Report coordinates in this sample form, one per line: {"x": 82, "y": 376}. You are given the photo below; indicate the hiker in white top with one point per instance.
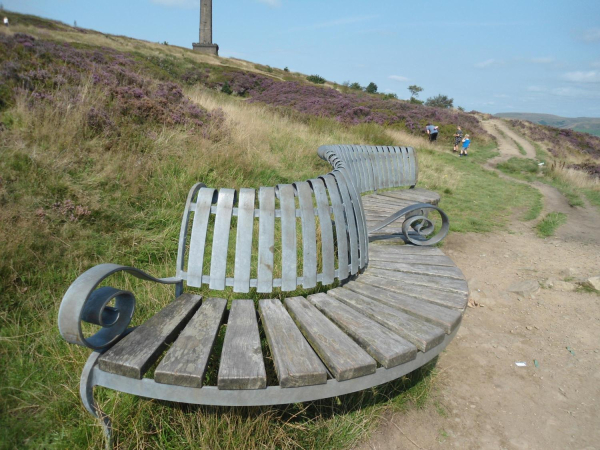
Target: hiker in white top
{"x": 6, "y": 21}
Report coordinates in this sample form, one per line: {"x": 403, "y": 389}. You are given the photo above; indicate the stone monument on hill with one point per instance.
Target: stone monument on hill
{"x": 206, "y": 44}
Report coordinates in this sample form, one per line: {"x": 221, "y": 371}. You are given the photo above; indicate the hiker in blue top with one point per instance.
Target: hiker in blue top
{"x": 432, "y": 131}
{"x": 465, "y": 147}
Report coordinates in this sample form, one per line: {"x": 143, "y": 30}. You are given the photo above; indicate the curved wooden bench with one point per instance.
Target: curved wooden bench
{"x": 395, "y": 307}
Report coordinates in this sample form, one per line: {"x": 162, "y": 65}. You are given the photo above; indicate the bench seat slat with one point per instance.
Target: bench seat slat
{"x": 198, "y": 239}
{"x": 344, "y": 357}
{"x": 418, "y": 332}
{"x": 289, "y": 263}
{"x": 442, "y": 261}
{"x": 218, "y": 260}
{"x": 425, "y": 280}
{"x": 135, "y": 353}
{"x": 386, "y": 347}
{"x": 266, "y": 239}
{"x": 448, "y": 299}
{"x": 185, "y": 362}
{"x": 440, "y": 316}
{"x": 327, "y": 247}
{"x": 295, "y": 361}
{"x": 242, "y": 365}
{"x": 340, "y": 225}
{"x": 420, "y": 269}
{"x": 363, "y": 240}
{"x": 403, "y": 250}
{"x": 243, "y": 249}
{"x": 309, "y": 235}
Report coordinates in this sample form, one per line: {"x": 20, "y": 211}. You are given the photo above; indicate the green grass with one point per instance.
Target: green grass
{"x": 593, "y": 197}
{"x": 549, "y": 224}
{"x": 520, "y": 147}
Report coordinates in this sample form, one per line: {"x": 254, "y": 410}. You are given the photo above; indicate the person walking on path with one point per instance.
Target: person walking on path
{"x": 458, "y": 136}
{"x": 432, "y": 131}
{"x": 5, "y": 21}
{"x": 466, "y": 142}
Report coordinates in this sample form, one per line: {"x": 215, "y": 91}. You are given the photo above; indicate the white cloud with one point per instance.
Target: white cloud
{"x": 501, "y": 96}
{"x": 595, "y": 64}
{"x": 188, "y": 4}
{"x": 398, "y": 78}
{"x": 590, "y": 35}
{"x": 575, "y": 92}
{"x": 542, "y": 60}
{"x": 489, "y": 63}
{"x": 590, "y": 76}
{"x": 271, "y": 3}
{"x": 536, "y": 89}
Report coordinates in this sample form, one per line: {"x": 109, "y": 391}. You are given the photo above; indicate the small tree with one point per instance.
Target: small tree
{"x": 356, "y": 86}
{"x": 226, "y": 89}
{"x": 285, "y": 69}
{"x": 440, "y": 101}
{"x": 371, "y": 88}
{"x": 414, "y": 90}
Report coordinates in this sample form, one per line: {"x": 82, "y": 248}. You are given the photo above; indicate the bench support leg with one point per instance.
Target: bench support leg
{"x": 86, "y": 390}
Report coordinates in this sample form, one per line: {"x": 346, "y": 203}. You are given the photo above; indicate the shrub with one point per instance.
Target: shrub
{"x": 389, "y": 96}
{"x": 440, "y": 101}
{"x": 226, "y": 89}
{"x": 355, "y": 86}
{"x": 316, "y": 79}
{"x": 285, "y": 69}
{"x": 371, "y": 88}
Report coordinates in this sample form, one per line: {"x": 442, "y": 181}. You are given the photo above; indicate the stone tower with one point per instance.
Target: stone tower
{"x": 206, "y": 44}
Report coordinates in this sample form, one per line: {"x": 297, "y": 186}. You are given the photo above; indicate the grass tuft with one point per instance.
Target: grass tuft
{"x": 549, "y": 224}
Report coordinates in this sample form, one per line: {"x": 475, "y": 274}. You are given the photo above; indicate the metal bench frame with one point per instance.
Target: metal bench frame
{"x": 357, "y": 169}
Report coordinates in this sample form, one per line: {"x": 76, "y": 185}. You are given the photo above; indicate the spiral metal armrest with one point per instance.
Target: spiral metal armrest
{"x": 417, "y": 228}
{"x": 83, "y": 301}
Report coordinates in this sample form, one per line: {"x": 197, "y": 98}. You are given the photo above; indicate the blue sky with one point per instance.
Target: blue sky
{"x": 492, "y": 56}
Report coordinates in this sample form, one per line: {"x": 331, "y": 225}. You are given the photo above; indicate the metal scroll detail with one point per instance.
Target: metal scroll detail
{"x": 83, "y": 302}
{"x": 417, "y": 227}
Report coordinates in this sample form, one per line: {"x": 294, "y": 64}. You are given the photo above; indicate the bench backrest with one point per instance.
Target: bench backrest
{"x": 286, "y": 236}
{"x": 374, "y": 167}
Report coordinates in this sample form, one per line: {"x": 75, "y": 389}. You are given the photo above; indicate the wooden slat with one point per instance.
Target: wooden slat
{"x": 218, "y": 262}
{"x": 295, "y": 362}
{"x": 425, "y": 280}
{"x": 198, "y": 237}
{"x": 289, "y": 263}
{"x": 369, "y": 155}
{"x": 374, "y": 181}
{"x": 445, "y": 298}
{"x": 408, "y": 196}
{"x": 414, "y": 259}
{"x": 342, "y": 356}
{"x": 243, "y": 241}
{"x": 402, "y": 250}
{"x": 422, "y": 334}
{"x": 445, "y": 318}
{"x": 242, "y": 365}
{"x": 327, "y": 247}
{"x": 420, "y": 269}
{"x": 135, "y": 353}
{"x": 351, "y": 222}
{"x": 397, "y": 165}
{"x": 363, "y": 238}
{"x": 340, "y": 226}
{"x": 309, "y": 235}
{"x": 185, "y": 362}
{"x": 387, "y": 348}
{"x": 413, "y": 165}
{"x": 266, "y": 239}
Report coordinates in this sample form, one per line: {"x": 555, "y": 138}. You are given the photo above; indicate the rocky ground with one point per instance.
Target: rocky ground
{"x": 484, "y": 399}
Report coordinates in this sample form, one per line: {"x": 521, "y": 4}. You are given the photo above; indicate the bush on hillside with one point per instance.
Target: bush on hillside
{"x": 371, "y": 88}
{"x": 440, "y": 101}
{"x": 316, "y": 79}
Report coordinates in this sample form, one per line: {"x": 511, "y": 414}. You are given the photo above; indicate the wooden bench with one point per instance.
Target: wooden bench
{"x": 394, "y": 308}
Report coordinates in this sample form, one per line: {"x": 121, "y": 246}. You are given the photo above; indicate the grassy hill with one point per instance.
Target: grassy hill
{"x": 589, "y": 125}
{"x": 101, "y": 137}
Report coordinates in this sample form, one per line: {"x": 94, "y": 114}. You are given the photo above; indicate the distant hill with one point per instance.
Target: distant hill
{"x": 589, "y": 125}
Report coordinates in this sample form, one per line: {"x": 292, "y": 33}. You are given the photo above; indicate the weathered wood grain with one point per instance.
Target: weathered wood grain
{"x": 386, "y": 347}
{"x": 242, "y": 365}
{"x": 243, "y": 245}
{"x": 136, "y": 352}
{"x": 327, "y": 244}
{"x": 295, "y": 361}
{"x": 420, "y": 269}
{"x": 351, "y": 222}
{"x": 198, "y": 237}
{"x": 342, "y": 356}
{"x": 443, "y": 261}
{"x": 289, "y": 252}
{"x": 266, "y": 239}
{"x": 309, "y": 235}
{"x": 448, "y": 299}
{"x": 443, "y": 283}
{"x": 185, "y": 362}
{"x": 420, "y": 333}
{"x": 220, "y": 244}
{"x": 340, "y": 226}
{"x": 440, "y": 316}
{"x": 402, "y": 250}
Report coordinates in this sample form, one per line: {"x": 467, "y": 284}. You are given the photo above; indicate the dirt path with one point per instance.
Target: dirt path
{"x": 483, "y": 400}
